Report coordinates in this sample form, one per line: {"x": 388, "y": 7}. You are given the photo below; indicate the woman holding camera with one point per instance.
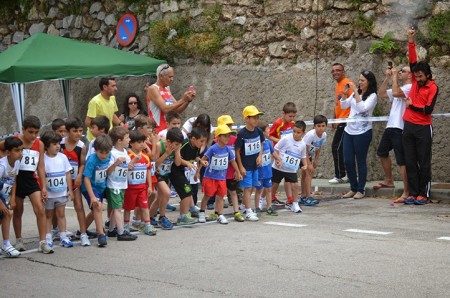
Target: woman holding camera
{"x": 358, "y": 133}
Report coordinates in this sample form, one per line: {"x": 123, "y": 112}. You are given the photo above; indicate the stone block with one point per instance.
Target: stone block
{"x": 98, "y": 34}
{"x": 59, "y": 24}
{"x": 7, "y": 39}
{"x": 101, "y": 15}
{"x": 95, "y": 7}
{"x": 441, "y": 6}
{"x": 171, "y": 5}
{"x": 272, "y": 7}
{"x": 75, "y": 33}
{"x": 239, "y": 21}
{"x": 96, "y": 25}
{"x": 395, "y": 24}
{"x": 33, "y": 14}
{"x": 307, "y": 33}
{"x": 37, "y": 28}
{"x": 195, "y": 12}
{"x": 17, "y": 37}
{"x": 53, "y": 12}
{"x": 88, "y": 21}
{"x": 68, "y": 22}
{"x": 110, "y": 20}
{"x": 109, "y": 5}
{"x": 78, "y": 22}
{"x": 342, "y": 4}
{"x": 4, "y": 30}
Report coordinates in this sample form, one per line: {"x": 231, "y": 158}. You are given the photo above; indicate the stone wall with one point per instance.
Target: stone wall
{"x": 284, "y": 53}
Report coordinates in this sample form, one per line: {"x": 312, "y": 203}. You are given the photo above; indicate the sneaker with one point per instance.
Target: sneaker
{"x": 85, "y": 240}
{"x": 288, "y": 205}
{"x": 276, "y": 202}
{"x": 126, "y": 237}
{"x": 210, "y": 207}
{"x": 170, "y": 207}
{"x": 336, "y": 180}
{"x": 69, "y": 234}
{"x": 258, "y": 212}
{"x": 271, "y": 212}
{"x": 91, "y": 234}
{"x": 185, "y": 220}
{"x": 358, "y": 195}
{"x": 308, "y": 201}
{"x": 49, "y": 243}
{"x": 112, "y": 233}
{"x": 225, "y": 202}
{"x": 165, "y": 223}
{"x": 349, "y": 194}
{"x": 55, "y": 234}
{"x": 173, "y": 194}
{"x": 222, "y": 219}
{"x": 44, "y": 248}
{"x": 194, "y": 210}
{"x": 212, "y": 217}
{"x": 150, "y": 230}
{"x": 242, "y": 206}
{"x": 409, "y": 200}
{"x": 154, "y": 222}
{"x": 261, "y": 202}
{"x": 11, "y": 252}
{"x": 19, "y": 245}
{"x": 102, "y": 240}
{"x": 296, "y": 208}
{"x": 66, "y": 242}
{"x": 107, "y": 222}
{"x": 251, "y": 216}
{"x": 201, "y": 217}
{"x": 238, "y": 217}
{"x": 421, "y": 200}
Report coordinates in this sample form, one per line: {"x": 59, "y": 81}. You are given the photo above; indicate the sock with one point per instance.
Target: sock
{"x": 249, "y": 210}
{"x": 126, "y": 225}
{"x": 62, "y": 235}
{"x": 147, "y": 225}
{"x": 137, "y": 222}
{"x": 120, "y": 231}
{"x": 49, "y": 237}
{"x": 6, "y": 244}
{"x": 290, "y": 200}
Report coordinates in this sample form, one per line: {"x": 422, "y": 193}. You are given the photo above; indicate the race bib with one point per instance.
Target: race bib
{"x": 6, "y": 190}
{"x": 138, "y": 175}
{"x": 56, "y": 182}
{"x": 74, "y": 171}
{"x": 191, "y": 173}
{"x": 219, "y": 163}
{"x": 266, "y": 159}
{"x": 252, "y": 146}
{"x": 291, "y": 161}
{"x": 285, "y": 133}
{"x": 164, "y": 168}
{"x": 120, "y": 173}
{"x": 153, "y": 170}
{"x": 30, "y": 160}
{"x": 100, "y": 175}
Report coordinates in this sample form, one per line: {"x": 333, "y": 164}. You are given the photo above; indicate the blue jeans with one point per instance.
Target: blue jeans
{"x": 357, "y": 146}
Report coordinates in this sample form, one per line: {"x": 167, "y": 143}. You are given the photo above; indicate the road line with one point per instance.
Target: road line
{"x": 443, "y": 238}
{"x": 367, "y": 232}
{"x": 274, "y": 223}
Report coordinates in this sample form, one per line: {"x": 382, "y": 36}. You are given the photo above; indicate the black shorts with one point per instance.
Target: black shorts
{"x": 27, "y": 184}
{"x": 163, "y": 178}
{"x": 232, "y": 184}
{"x": 278, "y": 175}
{"x": 392, "y": 139}
{"x": 181, "y": 185}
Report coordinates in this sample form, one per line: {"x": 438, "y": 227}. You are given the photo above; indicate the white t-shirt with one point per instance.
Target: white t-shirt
{"x": 90, "y": 149}
{"x": 361, "y": 110}
{"x": 314, "y": 142}
{"x": 55, "y": 174}
{"x": 163, "y": 133}
{"x": 398, "y": 108}
{"x": 118, "y": 178}
{"x": 7, "y": 176}
{"x": 291, "y": 152}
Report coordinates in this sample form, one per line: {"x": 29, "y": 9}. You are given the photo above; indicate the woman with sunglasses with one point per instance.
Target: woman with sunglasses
{"x": 358, "y": 134}
{"x": 132, "y": 107}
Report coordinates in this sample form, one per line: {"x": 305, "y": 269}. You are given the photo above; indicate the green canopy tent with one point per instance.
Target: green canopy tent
{"x": 44, "y": 57}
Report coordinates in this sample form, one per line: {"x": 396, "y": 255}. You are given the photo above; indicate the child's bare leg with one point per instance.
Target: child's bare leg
{"x": 246, "y": 198}
{"x": 17, "y": 217}
{"x": 79, "y": 209}
{"x": 234, "y": 200}
{"x": 268, "y": 192}
{"x": 219, "y": 205}
{"x": 38, "y": 208}
{"x": 98, "y": 217}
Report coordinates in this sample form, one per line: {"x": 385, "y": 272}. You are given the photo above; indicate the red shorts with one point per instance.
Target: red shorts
{"x": 211, "y": 187}
{"x": 135, "y": 198}
{"x": 154, "y": 181}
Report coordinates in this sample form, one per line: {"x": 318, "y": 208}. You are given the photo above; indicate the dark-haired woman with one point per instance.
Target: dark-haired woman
{"x": 131, "y": 108}
{"x": 358, "y": 134}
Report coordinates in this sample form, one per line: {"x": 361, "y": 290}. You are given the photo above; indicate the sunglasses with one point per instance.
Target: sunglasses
{"x": 133, "y": 103}
{"x": 167, "y": 66}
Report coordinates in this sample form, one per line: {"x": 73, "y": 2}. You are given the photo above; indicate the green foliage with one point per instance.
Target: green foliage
{"x": 439, "y": 28}
{"x": 363, "y": 23}
{"x": 14, "y": 10}
{"x": 384, "y": 46}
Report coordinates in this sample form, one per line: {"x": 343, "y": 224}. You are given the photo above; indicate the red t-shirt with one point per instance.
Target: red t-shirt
{"x": 280, "y": 129}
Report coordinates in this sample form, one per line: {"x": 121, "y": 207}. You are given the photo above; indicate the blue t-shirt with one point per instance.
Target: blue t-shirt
{"x": 265, "y": 171}
{"x": 95, "y": 170}
{"x": 250, "y": 144}
{"x": 218, "y": 162}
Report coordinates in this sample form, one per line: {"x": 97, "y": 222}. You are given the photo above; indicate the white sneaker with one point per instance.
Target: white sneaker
{"x": 19, "y": 245}
{"x": 201, "y": 217}
{"x": 261, "y": 202}
{"x": 242, "y": 207}
{"x": 195, "y": 208}
{"x": 222, "y": 219}
{"x": 225, "y": 202}
{"x": 11, "y": 252}
{"x": 296, "y": 208}
{"x": 251, "y": 216}
{"x": 336, "y": 180}
{"x": 85, "y": 240}
{"x": 44, "y": 247}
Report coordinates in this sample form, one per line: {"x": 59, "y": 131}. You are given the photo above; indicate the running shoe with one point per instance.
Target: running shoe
{"x": 308, "y": 201}
{"x": 421, "y": 200}
{"x": 165, "y": 223}
{"x": 296, "y": 208}
{"x": 66, "y": 242}
{"x": 210, "y": 207}
{"x": 173, "y": 194}
{"x": 222, "y": 219}
{"x": 409, "y": 200}
{"x": 238, "y": 217}
{"x": 170, "y": 207}
{"x": 154, "y": 222}
{"x": 185, "y": 220}
{"x": 19, "y": 245}
{"x": 276, "y": 202}
{"x": 150, "y": 230}
{"x": 44, "y": 247}
{"x": 271, "y": 212}
{"x": 126, "y": 236}
{"x": 336, "y": 180}
{"x": 85, "y": 240}
{"x": 212, "y": 217}
{"x": 102, "y": 240}
{"x": 11, "y": 252}
{"x": 201, "y": 217}
{"x": 251, "y": 216}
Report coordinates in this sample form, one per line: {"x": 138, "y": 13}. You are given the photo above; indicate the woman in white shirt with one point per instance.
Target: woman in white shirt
{"x": 358, "y": 134}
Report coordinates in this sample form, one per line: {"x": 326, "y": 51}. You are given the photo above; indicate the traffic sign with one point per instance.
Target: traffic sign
{"x": 126, "y": 29}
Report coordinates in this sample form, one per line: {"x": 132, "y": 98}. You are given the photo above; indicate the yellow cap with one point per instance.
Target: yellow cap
{"x": 250, "y": 111}
{"x": 224, "y": 119}
{"x": 222, "y": 130}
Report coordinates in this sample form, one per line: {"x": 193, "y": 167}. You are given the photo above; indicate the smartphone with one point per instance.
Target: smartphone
{"x": 414, "y": 25}
{"x": 390, "y": 64}
{"x": 191, "y": 88}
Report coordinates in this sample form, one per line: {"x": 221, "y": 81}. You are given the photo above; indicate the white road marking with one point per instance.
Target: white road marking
{"x": 443, "y": 238}
{"x": 367, "y": 232}
{"x": 274, "y": 223}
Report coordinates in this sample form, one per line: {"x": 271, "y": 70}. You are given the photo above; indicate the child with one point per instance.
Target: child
{"x": 282, "y": 127}
{"x": 28, "y": 184}
{"x": 139, "y": 183}
{"x": 166, "y": 154}
{"x": 116, "y": 183}
{"x": 94, "y": 183}
{"x": 173, "y": 119}
{"x": 59, "y": 186}
{"x": 9, "y": 168}
{"x": 59, "y": 126}
{"x": 99, "y": 126}
{"x": 265, "y": 174}
{"x": 75, "y": 150}
{"x": 289, "y": 153}
{"x": 249, "y": 155}
{"x": 219, "y": 156}
{"x": 187, "y": 157}
{"x": 314, "y": 140}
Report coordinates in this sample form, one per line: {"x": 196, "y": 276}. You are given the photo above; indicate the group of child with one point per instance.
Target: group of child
{"x": 134, "y": 169}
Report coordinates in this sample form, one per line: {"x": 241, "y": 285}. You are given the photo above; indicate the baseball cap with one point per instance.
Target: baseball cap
{"x": 251, "y": 111}
{"x": 222, "y": 130}
{"x": 224, "y": 119}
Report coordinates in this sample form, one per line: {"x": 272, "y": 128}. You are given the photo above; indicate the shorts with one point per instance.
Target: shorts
{"x": 278, "y": 175}
{"x": 52, "y": 203}
{"x": 264, "y": 183}
{"x": 99, "y": 196}
{"x": 4, "y": 202}
{"x": 162, "y": 178}
{"x": 26, "y": 185}
{"x": 181, "y": 185}
{"x": 392, "y": 139}
{"x": 211, "y": 187}
{"x": 232, "y": 184}
{"x": 250, "y": 179}
{"x": 135, "y": 198}
{"x": 115, "y": 197}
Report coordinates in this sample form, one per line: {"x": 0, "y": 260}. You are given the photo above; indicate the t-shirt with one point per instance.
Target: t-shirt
{"x": 163, "y": 170}
{"x": 314, "y": 142}
{"x": 361, "y": 110}
{"x": 291, "y": 152}
{"x": 74, "y": 156}
{"x": 56, "y": 168}
{"x": 398, "y": 107}
{"x": 265, "y": 171}
{"x": 99, "y": 106}
{"x": 7, "y": 176}
{"x": 30, "y": 161}
{"x": 118, "y": 178}
{"x": 231, "y": 145}
{"x": 281, "y": 129}
{"x": 250, "y": 143}
{"x": 153, "y": 110}
{"x": 219, "y": 158}
{"x": 95, "y": 170}
{"x": 91, "y": 149}
{"x": 137, "y": 176}
{"x": 188, "y": 153}
{"x": 163, "y": 133}
{"x": 340, "y": 112}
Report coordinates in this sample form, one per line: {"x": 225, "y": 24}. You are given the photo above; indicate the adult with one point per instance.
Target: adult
{"x": 132, "y": 107}
{"x": 160, "y": 100}
{"x": 418, "y": 132}
{"x": 338, "y": 73}
{"x": 392, "y": 136}
{"x": 358, "y": 134}
{"x": 103, "y": 104}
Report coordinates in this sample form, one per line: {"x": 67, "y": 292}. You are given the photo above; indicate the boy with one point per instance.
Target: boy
{"x": 282, "y": 127}
{"x": 166, "y": 154}
{"x": 173, "y": 119}
{"x": 116, "y": 183}
{"x": 94, "y": 183}
{"x": 249, "y": 156}
{"x": 139, "y": 183}
{"x": 288, "y": 154}
{"x": 59, "y": 185}
{"x": 28, "y": 184}
{"x": 265, "y": 174}
{"x": 314, "y": 139}
{"x": 214, "y": 181}
{"x": 99, "y": 126}
{"x": 9, "y": 168}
